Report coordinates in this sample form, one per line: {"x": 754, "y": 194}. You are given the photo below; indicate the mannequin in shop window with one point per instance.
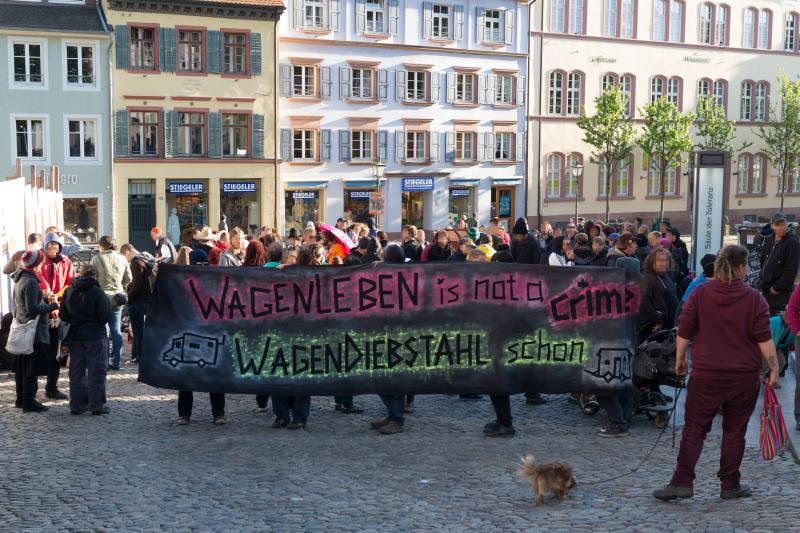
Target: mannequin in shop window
{"x": 174, "y": 226}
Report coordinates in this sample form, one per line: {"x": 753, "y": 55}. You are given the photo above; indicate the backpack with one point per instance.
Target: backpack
{"x": 148, "y": 263}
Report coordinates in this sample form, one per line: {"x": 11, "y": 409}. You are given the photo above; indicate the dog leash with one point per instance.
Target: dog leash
{"x": 652, "y": 448}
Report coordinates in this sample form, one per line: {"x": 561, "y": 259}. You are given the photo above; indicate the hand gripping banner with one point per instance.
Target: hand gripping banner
{"x": 494, "y": 328}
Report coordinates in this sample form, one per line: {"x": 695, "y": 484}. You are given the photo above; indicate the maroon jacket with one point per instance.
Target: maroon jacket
{"x": 726, "y": 323}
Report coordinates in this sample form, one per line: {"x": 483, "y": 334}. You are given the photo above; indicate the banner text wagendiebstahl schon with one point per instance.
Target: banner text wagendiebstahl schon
{"x": 422, "y": 328}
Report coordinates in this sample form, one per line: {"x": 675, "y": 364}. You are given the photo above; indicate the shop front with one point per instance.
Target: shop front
{"x": 462, "y": 200}
{"x": 504, "y": 195}
{"x": 303, "y": 203}
{"x": 82, "y": 217}
{"x": 187, "y": 207}
{"x": 239, "y": 203}
{"x": 416, "y": 193}
{"x": 356, "y": 199}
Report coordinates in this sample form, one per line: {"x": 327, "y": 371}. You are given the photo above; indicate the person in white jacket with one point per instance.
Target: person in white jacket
{"x": 562, "y": 254}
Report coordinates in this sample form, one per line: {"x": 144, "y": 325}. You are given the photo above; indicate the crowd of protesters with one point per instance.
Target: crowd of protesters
{"x": 90, "y": 303}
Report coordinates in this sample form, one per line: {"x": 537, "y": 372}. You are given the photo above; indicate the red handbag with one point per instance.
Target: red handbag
{"x": 773, "y": 435}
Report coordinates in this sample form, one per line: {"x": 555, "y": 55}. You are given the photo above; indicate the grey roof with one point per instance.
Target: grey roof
{"x": 50, "y": 17}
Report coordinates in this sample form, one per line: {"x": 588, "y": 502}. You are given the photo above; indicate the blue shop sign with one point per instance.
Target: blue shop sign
{"x": 186, "y": 188}
{"x": 417, "y": 184}
{"x": 239, "y": 186}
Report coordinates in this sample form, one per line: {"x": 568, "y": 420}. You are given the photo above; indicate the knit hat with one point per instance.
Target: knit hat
{"x": 473, "y": 233}
{"x": 614, "y": 236}
{"x": 520, "y": 227}
{"x": 666, "y": 244}
{"x": 631, "y": 265}
{"x": 31, "y": 259}
{"x": 707, "y": 262}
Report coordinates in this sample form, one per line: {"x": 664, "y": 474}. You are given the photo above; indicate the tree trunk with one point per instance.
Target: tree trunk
{"x": 783, "y": 188}
{"x": 608, "y": 192}
{"x": 661, "y": 191}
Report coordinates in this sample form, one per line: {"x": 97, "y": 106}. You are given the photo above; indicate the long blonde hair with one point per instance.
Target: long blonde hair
{"x": 728, "y": 262}
{"x": 183, "y": 256}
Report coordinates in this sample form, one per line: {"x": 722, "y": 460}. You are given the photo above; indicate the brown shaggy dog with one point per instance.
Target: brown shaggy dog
{"x": 546, "y": 477}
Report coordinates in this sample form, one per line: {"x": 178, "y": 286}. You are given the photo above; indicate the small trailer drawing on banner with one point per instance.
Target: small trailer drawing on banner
{"x": 192, "y": 349}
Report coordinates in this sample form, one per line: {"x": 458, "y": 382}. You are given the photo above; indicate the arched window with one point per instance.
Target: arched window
{"x": 674, "y": 92}
{"x": 555, "y": 90}
{"x": 790, "y": 32}
{"x": 703, "y": 88}
{"x": 627, "y": 19}
{"x": 746, "y": 107}
{"x": 609, "y": 80}
{"x": 577, "y": 16}
{"x": 557, "y": 15}
{"x": 743, "y": 174}
{"x": 764, "y": 29}
{"x": 571, "y": 188}
{"x": 759, "y": 169}
{"x": 670, "y": 180}
{"x": 706, "y": 23}
{"x": 749, "y": 28}
{"x": 676, "y": 15}
{"x": 610, "y": 14}
{"x": 721, "y": 25}
{"x": 656, "y": 88}
{"x": 553, "y": 187}
{"x": 751, "y": 173}
{"x": 720, "y": 93}
{"x": 762, "y": 102}
{"x": 620, "y": 184}
{"x": 574, "y": 93}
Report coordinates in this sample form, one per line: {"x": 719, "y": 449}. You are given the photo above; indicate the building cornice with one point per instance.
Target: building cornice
{"x": 198, "y": 9}
{"x": 434, "y": 49}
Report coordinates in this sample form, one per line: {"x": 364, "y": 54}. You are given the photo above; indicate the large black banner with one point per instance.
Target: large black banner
{"x": 430, "y": 328}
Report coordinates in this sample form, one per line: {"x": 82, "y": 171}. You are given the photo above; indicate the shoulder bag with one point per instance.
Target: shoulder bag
{"x": 21, "y": 336}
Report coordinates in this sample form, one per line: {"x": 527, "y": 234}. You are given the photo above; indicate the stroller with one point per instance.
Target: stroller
{"x": 653, "y": 366}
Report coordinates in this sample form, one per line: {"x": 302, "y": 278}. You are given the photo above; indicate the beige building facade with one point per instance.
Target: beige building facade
{"x": 734, "y": 52}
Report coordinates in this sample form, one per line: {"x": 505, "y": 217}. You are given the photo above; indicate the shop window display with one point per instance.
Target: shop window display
{"x": 301, "y": 207}
{"x": 81, "y": 218}
{"x": 461, "y": 204}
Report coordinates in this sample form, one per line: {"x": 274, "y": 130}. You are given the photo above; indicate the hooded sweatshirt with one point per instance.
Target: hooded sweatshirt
{"x": 57, "y": 271}
{"x": 726, "y": 323}
{"x": 526, "y": 251}
{"x": 87, "y": 310}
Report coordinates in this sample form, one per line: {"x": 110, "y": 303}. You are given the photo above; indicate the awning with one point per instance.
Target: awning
{"x": 465, "y": 182}
{"x": 361, "y": 183}
{"x": 306, "y": 184}
{"x": 506, "y": 181}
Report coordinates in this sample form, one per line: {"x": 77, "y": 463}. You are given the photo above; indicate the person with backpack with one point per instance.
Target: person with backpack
{"x": 114, "y": 275}
{"x": 140, "y": 291}
{"x": 524, "y": 247}
{"x": 87, "y": 310}
{"x": 164, "y": 248}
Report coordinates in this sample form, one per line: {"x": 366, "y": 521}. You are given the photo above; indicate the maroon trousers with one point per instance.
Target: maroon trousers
{"x": 703, "y": 399}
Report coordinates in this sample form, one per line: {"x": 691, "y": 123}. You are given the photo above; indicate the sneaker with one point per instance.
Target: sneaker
{"x": 34, "y": 407}
{"x": 731, "y": 494}
{"x": 409, "y": 408}
{"x": 182, "y": 421}
{"x": 279, "y": 423}
{"x": 535, "y": 398}
{"x": 56, "y": 395}
{"x": 262, "y": 409}
{"x": 671, "y": 492}
{"x": 296, "y": 425}
{"x": 379, "y": 423}
{"x": 102, "y": 411}
{"x": 500, "y": 431}
{"x": 491, "y": 425}
{"x": 112, "y": 367}
{"x": 351, "y": 410}
{"x": 219, "y": 420}
{"x": 391, "y": 427}
{"x": 612, "y": 432}
{"x": 133, "y": 361}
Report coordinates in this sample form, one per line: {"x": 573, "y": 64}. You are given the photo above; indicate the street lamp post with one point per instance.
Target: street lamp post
{"x": 577, "y": 172}
{"x": 378, "y": 170}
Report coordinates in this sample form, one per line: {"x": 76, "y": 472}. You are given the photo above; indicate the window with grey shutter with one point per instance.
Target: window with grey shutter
{"x": 215, "y": 135}
{"x": 482, "y": 89}
{"x": 286, "y": 80}
{"x": 481, "y": 146}
{"x": 490, "y": 147}
{"x": 394, "y": 17}
{"x": 427, "y": 20}
{"x": 345, "y": 83}
{"x": 480, "y": 26}
{"x": 333, "y": 15}
{"x": 344, "y": 145}
{"x": 258, "y": 136}
{"x": 433, "y": 144}
{"x": 400, "y": 85}
{"x": 255, "y": 53}
{"x": 121, "y": 136}
{"x": 123, "y": 43}
{"x": 286, "y": 144}
{"x": 521, "y": 88}
{"x": 213, "y": 51}
{"x": 508, "y": 32}
{"x": 170, "y": 121}
{"x": 298, "y": 14}
{"x": 400, "y": 146}
{"x": 168, "y": 49}
{"x": 383, "y": 145}
{"x": 324, "y": 145}
{"x": 325, "y": 82}
{"x": 458, "y": 16}
{"x": 361, "y": 16}
{"x": 519, "y": 155}
{"x": 435, "y": 87}
{"x": 450, "y": 146}
{"x": 451, "y": 87}
{"x": 383, "y": 84}
{"x": 491, "y": 89}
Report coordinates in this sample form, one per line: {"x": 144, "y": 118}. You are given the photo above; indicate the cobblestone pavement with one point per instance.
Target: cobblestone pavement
{"x": 134, "y": 470}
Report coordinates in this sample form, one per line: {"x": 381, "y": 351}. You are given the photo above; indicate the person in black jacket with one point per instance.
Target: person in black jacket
{"x": 30, "y": 304}
{"x": 440, "y": 250}
{"x": 680, "y": 254}
{"x": 659, "y": 300}
{"x": 411, "y": 246}
{"x": 780, "y": 258}
{"x": 139, "y": 294}
{"x": 87, "y": 310}
{"x": 524, "y": 247}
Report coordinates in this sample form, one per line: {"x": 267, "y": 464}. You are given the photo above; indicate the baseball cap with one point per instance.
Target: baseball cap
{"x": 778, "y": 217}
{"x": 155, "y": 230}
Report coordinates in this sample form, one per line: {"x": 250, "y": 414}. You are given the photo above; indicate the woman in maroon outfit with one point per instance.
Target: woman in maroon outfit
{"x": 728, "y": 323}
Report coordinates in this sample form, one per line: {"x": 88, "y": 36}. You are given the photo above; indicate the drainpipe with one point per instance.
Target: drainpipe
{"x": 110, "y": 136}
{"x": 276, "y": 132}
{"x": 527, "y": 108}
{"x": 539, "y": 123}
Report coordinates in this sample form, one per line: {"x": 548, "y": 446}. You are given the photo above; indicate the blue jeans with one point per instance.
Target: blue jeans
{"x": 394, "y": 404}
{"x": 619, "y": 407}
{"x": 137, "y": 313}
{"x": 87, "y": 375}
{"x": 116, "y": 334}
{"x": 292, "y": 408}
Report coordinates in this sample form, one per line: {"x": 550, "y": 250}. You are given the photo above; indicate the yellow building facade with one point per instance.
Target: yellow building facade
{"x": 194, "y": 108}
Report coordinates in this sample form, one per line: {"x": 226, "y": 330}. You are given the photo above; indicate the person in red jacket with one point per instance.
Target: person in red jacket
{"x": 728, "y": 323}
{"x": 55, "y": 276}
{"x": 793, "y": 318}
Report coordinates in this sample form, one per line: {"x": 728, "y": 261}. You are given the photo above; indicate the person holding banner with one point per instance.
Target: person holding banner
{"x": 728, "y": 325}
